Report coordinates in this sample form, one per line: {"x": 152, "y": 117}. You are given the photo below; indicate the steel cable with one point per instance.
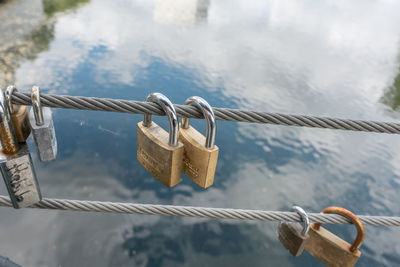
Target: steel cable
{"x": 227, "y": 114}
{"x": 214, "y": 213}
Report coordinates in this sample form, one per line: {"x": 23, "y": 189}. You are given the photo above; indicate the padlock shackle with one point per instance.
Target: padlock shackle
{"x": 353, "y": 218}
{"x": 208, "y": 113}
{"x": 37, "y": 106}
{"x": 169, "y": 110}
{"x": 304, "y": 218}
{"x": 4, "y": 111}
{"x": 8, "y": 97}
{"x": 7, "y": 136}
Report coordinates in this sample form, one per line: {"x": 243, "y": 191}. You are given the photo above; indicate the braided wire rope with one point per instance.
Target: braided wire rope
{"x": 188, "y": 211}
{"x": 139, "y": 107}
{"x": 227, "y": 114}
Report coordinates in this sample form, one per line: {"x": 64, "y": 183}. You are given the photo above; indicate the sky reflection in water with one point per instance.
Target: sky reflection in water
{"x": 335, "y": 59}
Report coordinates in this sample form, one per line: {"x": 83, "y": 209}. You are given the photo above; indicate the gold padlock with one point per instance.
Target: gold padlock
{"x": 201, "y": 153}
{"x": 19, "y": 116}
{"x": 159, "y": 152}
{"x": 329, "y": 248}
{"x": 294, "y": 236}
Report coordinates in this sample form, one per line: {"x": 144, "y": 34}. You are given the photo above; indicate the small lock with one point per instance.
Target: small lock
{"x": 329, "y": 248}
{"x": 41, "y": 122}
{"x": 294, "y": 236}
{"x": 159, "y": 152}
{"x": 16, "y": 164}
{"x": 19, "y": 116}
{"x": 201, "y": 153}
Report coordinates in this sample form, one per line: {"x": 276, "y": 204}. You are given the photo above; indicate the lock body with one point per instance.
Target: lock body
{"x": 20, "y": 177}
{"x": 163, "y": 161}
{"x": 44, "y": 135}
{"x": 199, "y": 162}
{"x": 330, "y": 249}
{"x": 291, "y": 237}
{"x": 20, "y": 121}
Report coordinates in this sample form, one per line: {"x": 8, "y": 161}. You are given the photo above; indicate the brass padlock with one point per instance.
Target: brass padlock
{"x": 159, "y": 152}
{"x": 201, "y": 153}
{"x": 329, "y": 248}
{"x": 294, "y": 236}
{"x": 19, "y": 116}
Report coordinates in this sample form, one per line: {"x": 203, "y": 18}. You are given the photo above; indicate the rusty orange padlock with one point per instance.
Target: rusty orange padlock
{"x": 329, "y": 248}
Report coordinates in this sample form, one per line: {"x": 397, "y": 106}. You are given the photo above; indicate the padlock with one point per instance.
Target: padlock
{"x": 19, "y": 116}
{"x": 42, "y": 126}
{"x": 16, "y": 164}
{"x": 159, "y": 152}
{"x": 201, "y": 153}
{"x": 329, "y": 248}
{"x": 294, "y": 236}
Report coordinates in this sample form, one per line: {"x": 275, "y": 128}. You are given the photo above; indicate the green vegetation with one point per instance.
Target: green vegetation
{"x": 53, "y": 6}
{"x": 41, "y": 39}
{"x": 392, "y": 96}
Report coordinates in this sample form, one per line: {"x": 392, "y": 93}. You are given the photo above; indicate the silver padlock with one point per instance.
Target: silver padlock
{"x": 41, "y": 121}
{"x": 16, "y": 163}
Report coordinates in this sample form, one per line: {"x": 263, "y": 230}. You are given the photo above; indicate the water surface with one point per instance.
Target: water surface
{"x": 336, "y": 59}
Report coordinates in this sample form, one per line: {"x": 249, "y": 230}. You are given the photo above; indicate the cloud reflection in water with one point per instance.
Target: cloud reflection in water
{"x": 322, "y": 58}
